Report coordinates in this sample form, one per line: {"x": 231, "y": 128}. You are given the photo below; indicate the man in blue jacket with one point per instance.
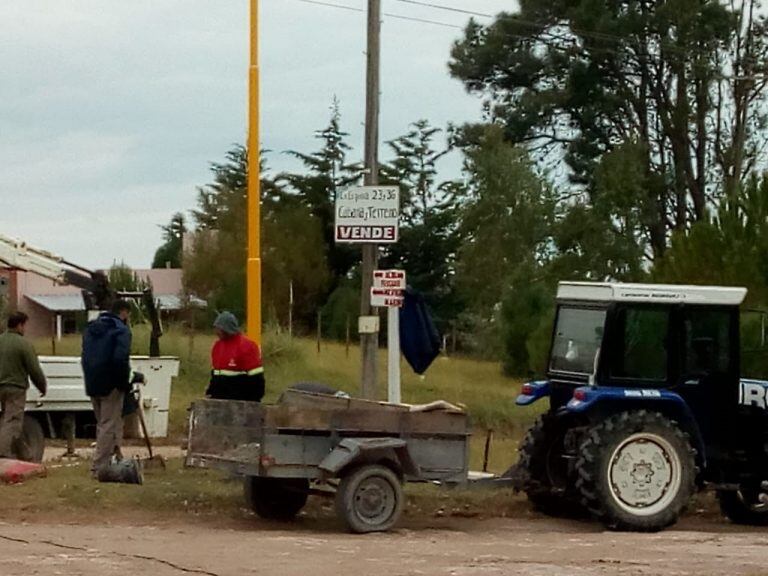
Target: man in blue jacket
{"x": 107, "y": 371}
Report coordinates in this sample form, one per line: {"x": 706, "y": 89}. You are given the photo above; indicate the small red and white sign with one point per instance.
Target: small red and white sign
{"x": 383, "y": 298}
{"x": 388, "y": 287}
{"x": 389, "y": 279}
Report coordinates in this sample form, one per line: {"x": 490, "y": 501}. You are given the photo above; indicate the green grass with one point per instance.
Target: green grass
{"x": 477, "y": 385}
{"x": 179, "y": 493}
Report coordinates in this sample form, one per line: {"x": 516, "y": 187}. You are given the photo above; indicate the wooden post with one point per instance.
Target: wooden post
{"x": 486, "y": 453}
{"x": 369, "y": 343}
{"x": 53, "y": 335}
{"x": 290, "y": 309}
{"x": 319, "y": 329}
{"x": 348, "y": 336}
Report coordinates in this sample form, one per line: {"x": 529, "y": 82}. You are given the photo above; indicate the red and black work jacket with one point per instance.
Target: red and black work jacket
{"x": 237, "y": 371}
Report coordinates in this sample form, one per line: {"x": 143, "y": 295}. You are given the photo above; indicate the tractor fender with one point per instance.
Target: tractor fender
{"x": 532, "y": 392}
{"x": 351, "y": 451}
{"x": 602, "y": 401}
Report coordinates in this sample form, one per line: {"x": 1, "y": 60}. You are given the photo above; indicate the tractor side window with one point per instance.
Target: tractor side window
{"x": 641, "y": 352}
{"x": 578, "y": 335}
{"x": 707, "y": 342}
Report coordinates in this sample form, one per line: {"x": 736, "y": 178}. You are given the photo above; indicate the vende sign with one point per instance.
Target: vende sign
{"x": 389, "y": 279}
{"x": 368, "y": 214}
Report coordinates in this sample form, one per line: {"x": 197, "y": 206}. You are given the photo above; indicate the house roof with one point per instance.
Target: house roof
{"x": 74, "y": 302}
{"x": 59, "y": 302}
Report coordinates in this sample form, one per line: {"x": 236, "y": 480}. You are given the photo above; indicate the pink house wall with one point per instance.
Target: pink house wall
{"x": 41, "y": 321}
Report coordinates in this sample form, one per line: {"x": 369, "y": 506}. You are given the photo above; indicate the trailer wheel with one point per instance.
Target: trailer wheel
{"x": 31, "y": 446}
{"x": 743, "y": 507}
{"x": 276, "y": 498}
{"x": 369, "y": 498}
{"x": 636, "y": 471}
{"x": 545, "y": 474}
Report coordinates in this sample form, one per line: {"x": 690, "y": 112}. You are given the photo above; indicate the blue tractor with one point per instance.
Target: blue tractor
{"x": 646, "y": 405}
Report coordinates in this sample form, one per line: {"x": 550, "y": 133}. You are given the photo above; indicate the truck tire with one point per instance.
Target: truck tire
{"x": 369, "y": 498}
{"x": 544, "y": 472}
{"x": 31, "y": 446}
{"x": 743, "y": 507}
{"x": 636, "y": 471}
{"x": 276, "y": 498}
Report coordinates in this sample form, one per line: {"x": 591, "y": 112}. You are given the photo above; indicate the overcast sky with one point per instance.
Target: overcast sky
{"x": 110, "y": 111}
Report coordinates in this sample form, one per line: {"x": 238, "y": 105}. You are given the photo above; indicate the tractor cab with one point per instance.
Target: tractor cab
{"x": 646, "y": 402}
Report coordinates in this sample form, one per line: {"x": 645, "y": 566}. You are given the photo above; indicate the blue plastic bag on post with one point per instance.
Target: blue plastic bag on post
{"x": 419, "y": 339}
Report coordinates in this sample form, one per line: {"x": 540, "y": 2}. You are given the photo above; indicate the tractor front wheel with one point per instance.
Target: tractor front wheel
{"x": 636, "y": 471}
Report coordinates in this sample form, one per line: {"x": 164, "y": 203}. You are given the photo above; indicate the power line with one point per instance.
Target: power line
{"x": 545, "y": 35}
{"x": 446, "y": 8}
{"x": 394, "y": 16}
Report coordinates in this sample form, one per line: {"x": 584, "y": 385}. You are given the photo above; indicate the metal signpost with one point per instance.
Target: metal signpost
{"x": 387, "y": 291}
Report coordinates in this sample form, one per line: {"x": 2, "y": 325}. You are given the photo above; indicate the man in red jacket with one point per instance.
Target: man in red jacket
{"x": 237, "y": 371}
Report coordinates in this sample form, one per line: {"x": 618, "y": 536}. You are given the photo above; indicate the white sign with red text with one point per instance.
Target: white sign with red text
{"x": 387, "y": 289}
{"x": 368, "y": 215}
{"x": 383, "y": 298}
{"x": 389, "y": 279}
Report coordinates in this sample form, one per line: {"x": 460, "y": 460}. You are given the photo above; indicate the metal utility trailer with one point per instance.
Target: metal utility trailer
{"x": 361, "y": 451}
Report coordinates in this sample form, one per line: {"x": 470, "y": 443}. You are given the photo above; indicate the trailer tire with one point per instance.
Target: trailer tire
{"x": 743, "y": 507}
{"x": 276, "y": 498}
{"x": 31, "y": 444}
{"x": 369, "y": 498}
{"x": 636, "y": 471}
{"x": 548, "y": 487}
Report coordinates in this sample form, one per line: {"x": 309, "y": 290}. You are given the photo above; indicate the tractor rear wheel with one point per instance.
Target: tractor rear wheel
{"x": 743, "y": 507}
{"x": 636, "y": 471}
{"x": 545, "y": 470}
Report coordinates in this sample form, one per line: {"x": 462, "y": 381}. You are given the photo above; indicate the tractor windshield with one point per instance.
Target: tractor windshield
{"x": 578, "y": 335}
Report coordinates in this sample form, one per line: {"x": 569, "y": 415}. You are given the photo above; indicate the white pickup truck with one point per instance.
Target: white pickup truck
{"x": 66, "y": 410}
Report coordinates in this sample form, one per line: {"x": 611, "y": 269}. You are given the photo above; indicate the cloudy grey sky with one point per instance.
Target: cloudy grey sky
{"x": 110, "y": 111}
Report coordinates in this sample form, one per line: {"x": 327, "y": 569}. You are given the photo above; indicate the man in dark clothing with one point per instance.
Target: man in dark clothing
{"x": 107, "y": 371}
{"x": 238, "y": 373}
{"x": 18, "y": 364}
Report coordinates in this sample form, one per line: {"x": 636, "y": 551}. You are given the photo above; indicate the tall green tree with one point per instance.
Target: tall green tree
{"x": 684, "y": 79}
{"x": 506, "y": 226}
{"x": 292, "y": 247}
{"x": 429, "y": 238}
{"x": 506, "y": 221}
{"x": 730, "y": 249}
{"x": 169, "y": 255}
{"x": 326, "y": 171}
{"x": 607, "y": 237}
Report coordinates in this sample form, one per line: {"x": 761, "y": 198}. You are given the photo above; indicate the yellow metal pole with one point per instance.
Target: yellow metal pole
{"x": 253, "y": 285}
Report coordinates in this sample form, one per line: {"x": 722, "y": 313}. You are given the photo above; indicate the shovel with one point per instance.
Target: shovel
{"x": 154, "y": 461}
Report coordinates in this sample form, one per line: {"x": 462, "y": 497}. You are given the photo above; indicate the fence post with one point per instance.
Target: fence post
{"x": 348, "y": 336}
{"x": 319, "y": 329}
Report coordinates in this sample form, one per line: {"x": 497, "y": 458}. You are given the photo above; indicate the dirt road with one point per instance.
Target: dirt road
{"x": 458, "y": 548}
